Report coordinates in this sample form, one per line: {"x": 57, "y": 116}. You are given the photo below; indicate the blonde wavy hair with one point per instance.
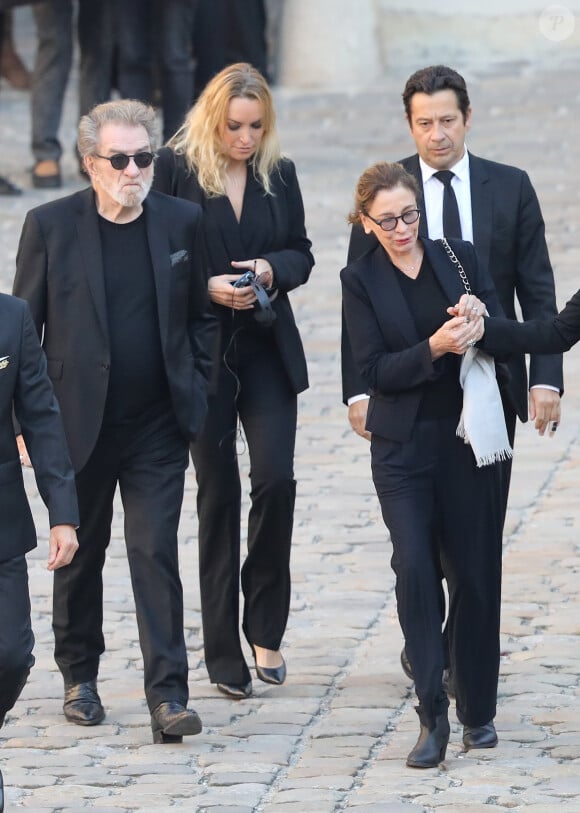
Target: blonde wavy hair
{"x": 199, "y": 139}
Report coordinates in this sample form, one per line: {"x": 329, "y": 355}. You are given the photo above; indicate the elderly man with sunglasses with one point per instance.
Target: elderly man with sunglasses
{"x": 115, "y": 280}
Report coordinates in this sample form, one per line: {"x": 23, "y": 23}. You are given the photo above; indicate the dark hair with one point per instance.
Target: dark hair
{"x": 430, "y": 80}
{"x": 376, "y": 178}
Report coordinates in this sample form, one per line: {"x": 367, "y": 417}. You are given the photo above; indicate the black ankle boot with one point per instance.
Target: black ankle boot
{"x": 431, "y": 746}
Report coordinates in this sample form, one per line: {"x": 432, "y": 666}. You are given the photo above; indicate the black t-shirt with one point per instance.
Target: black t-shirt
{"x": 137, "y": 380}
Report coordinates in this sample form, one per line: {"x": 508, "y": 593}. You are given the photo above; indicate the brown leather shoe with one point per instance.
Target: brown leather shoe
{"x": 46, "y": 175}
{"x": 82, "y": 704}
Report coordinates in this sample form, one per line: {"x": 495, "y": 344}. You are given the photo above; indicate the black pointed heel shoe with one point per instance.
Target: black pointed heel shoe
{"x": 270, "y": 674}
{"x": 171, "y": 721}
{"x": 431, "y": 747}
{"x": 236, "y": 691}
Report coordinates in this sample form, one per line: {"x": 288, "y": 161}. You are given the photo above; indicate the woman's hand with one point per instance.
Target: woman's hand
{"x": 22, "y": 451}
{"x": 222, "y": 292}
{"x": 261, "y": 268}
{"x": 469, "y": 306}
{"x": 456, "y": 336}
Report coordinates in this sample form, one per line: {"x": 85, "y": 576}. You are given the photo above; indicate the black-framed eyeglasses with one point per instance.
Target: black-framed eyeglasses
{"x": 121, "y": 161}
{"x": 390, "y": 223}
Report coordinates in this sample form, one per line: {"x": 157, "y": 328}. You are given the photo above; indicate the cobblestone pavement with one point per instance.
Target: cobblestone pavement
{"x": 335, "y": 736}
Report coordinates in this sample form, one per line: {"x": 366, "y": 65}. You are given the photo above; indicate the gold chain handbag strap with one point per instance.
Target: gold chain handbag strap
{"x": 453, "y": 257}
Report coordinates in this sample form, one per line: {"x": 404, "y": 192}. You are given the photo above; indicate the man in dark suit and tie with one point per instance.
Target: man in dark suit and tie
{"x": 26, "y": 392}
{"x": 115, "y": 279}
{"x": 495, "y": 207}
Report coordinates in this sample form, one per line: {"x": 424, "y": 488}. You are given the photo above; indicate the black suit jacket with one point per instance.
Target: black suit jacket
{"x": 25, "y": 389}
{"x": 393, "y": 362}
{"x": 59, "y": 271}
{"x": 509, "y": 240}
{"x": 281, "y": 240}
{"x": 535, "y": 336}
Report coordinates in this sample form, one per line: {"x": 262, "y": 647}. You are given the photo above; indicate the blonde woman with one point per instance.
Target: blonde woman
{"x": 226, "y": 157}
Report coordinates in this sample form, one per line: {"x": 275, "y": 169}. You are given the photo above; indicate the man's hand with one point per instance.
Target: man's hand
{"x": 357, "y": 415}
{"x": 544, "y": 406}
{"x": 24, "y": 458}
{"x": 63, "y": 545}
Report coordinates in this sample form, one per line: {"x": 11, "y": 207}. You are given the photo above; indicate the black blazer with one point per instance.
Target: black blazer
{"x": 280, "y": 238}
{"x": 25, "y": 389}
{"x": 509, "y": 240}
{"x": 59, "y": 271}
{"x": 535, "y": 336}
{"x": 392, "y": 361}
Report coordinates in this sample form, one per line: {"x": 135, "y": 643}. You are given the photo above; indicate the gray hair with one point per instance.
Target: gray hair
{"x": 119, "y": 111}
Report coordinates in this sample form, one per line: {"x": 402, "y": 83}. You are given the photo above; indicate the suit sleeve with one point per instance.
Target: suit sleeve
{"x": 352, "y": 382}
{"x": 30, "y": 281}
{"x": 535, "y": 280}
{"x": 381, "y": 369}
{"x": 535, "y": 336}
{"x": 293, "y": 263}
{"x": 202, "y": 322}
{"x": 37, "y": 411}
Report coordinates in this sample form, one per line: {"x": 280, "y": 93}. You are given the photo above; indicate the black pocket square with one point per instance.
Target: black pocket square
{"x": 179, "y": 257}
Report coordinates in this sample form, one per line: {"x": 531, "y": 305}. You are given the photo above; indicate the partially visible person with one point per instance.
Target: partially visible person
{"x": 55, "y": 28}
{"x": 6, "y": 186}
{"x": 12, "y": 68}
{"x": 535, "y": 336}
{"x": 226, "y": 32}
{"x": 116, "y": 283}
{"x": 27, "y": 394}
{"x": 150, "y": 34}
{"x": 226, "y": 157}
{"x": 440, "y": 493}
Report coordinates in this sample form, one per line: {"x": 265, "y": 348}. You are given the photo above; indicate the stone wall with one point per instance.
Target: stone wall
{"x": 351, "y": 43}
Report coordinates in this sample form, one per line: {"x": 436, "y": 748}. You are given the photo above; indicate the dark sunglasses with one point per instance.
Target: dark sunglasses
{"x": 121, "y": 161}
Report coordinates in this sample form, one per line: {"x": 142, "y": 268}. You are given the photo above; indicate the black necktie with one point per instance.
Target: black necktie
{"x": 451, "y": 221}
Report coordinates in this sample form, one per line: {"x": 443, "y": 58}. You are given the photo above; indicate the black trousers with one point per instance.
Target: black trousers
{"x": 445, "y": 514}
{"x": 16, "y": 637}
{"x": 266, "y": 406}
{"x": 147, "y": 459}
{"x": 505, "y": 470}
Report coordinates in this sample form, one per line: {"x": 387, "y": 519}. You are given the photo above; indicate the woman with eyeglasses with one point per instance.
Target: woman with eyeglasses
{"x": 442, "y": 509}
{"x": 226, "y": 157}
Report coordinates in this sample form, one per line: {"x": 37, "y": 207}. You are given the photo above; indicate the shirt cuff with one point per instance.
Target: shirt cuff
{"x": 362, "y": 397}
{"x": 545, "y": 387}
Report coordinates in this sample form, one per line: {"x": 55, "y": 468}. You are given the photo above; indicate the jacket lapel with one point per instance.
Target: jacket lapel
{"x": 158, "y": 239}
{"x": 446, "y": 273}
{"x": 388, "y": 301}
{"x": 87, "y": 225}
{"x": 481, "y": 209}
